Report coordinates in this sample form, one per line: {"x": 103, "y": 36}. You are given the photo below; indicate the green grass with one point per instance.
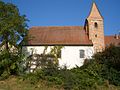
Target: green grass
{"x": 15, "y": 83}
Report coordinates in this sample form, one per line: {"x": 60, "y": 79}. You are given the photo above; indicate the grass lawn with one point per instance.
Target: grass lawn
{"x": 15, "y": 83}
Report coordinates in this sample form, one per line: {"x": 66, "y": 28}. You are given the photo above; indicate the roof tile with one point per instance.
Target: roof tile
{"x": 58, "y": 35}
{"x": 112, "y": 40}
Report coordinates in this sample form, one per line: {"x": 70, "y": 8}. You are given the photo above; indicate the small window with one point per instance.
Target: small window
{"x": 96, "y": 25}
{"x": 82, "y": 53}
{"x": 95, "y": 35}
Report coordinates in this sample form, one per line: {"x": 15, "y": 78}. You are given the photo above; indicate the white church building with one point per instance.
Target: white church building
{"x": 79, "y": 42}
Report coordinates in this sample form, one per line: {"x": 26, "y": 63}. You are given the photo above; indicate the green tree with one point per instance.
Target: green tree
{"x": 13, "y": 26}
{"x": 13, "y": 29}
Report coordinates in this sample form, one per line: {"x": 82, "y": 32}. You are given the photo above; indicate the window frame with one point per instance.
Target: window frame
{"x": 82, "y": 53}
{"x": 96, "y": 25}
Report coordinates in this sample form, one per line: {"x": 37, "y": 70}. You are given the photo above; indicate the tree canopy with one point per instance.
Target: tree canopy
{"x": 13, "y": 29}
{"x": 13, "y": 26}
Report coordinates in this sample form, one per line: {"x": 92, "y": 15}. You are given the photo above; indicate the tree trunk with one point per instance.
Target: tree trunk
{"x": 6, "y": 42}
{"x": 6, "y": 46}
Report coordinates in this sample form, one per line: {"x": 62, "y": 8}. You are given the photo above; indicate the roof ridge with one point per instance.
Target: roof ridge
{"x": 55, "y": 26}
{"x": 109, "y": 35}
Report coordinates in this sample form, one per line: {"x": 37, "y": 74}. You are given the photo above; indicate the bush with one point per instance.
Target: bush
{"x": 109, "y": 57}
{"x": 110, "y": 61}
{"x": 10, "y": 64}
{"x": 91, "y": 75}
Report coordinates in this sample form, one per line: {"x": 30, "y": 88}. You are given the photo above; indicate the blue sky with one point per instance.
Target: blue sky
{"x": 69, "y": 12}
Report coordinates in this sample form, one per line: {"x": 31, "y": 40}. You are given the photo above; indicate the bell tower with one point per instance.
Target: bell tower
{"x": 95, "y": 28}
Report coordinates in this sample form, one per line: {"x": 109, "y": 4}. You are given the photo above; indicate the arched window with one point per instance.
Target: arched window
{"x": 95, "y": 25}
{"x": 82, "y": 53}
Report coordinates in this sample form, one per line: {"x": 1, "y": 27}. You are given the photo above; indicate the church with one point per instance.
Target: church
{"x": 79, "y": 42}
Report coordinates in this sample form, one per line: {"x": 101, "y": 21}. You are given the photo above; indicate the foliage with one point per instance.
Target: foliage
{"x": 10, "y": 64}
{"x": 56, "y": 51}
{"x": 13, "y": 26}
{"x": 95, "y": 73}
{"x": 102, "y": 70}
{"x": 13, "y": 29}
{"x": 17, "y": 83}
{"x": 46, "y": 59}
{"x": 110, "y": 61}
{"x": 109, "y": 57}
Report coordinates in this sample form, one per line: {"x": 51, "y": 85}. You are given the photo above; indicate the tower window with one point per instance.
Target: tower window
{"x": 96, "y": 25}
{"x": 95, "y": 35}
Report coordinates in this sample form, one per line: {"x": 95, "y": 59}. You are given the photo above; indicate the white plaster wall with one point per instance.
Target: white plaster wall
{"x": 36, "y": 50}
{"x": 70, "y": 55}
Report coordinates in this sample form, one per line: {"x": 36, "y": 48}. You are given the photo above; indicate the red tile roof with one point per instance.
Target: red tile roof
{"x": 112, "y": 40}
{"x": 58, "y": 35}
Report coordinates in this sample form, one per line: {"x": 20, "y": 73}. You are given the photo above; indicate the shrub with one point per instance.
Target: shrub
{"x": 10, "y": 64}
{"x": 109, "y": 57}
{"x": 110, "y": 61}
{"x": 88, "y": 77}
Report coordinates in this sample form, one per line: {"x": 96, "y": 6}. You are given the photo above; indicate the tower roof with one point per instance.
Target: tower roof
{"x": 95, "y": 13}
